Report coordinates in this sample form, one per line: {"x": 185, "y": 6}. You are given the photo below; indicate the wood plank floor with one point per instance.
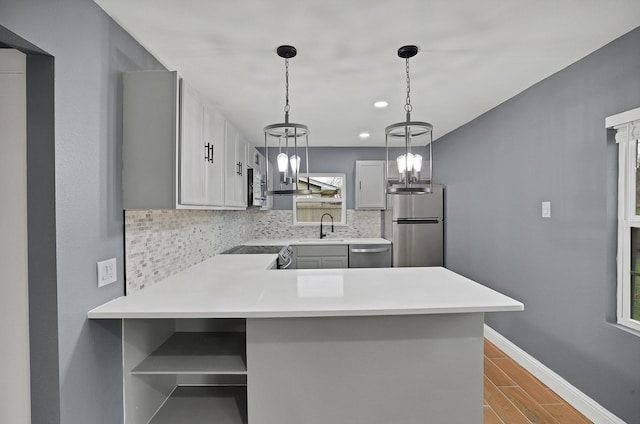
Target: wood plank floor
{"x": 513, "y": 396}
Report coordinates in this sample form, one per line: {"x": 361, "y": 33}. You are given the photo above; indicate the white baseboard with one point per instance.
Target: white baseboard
{"x": 583, "y": 403}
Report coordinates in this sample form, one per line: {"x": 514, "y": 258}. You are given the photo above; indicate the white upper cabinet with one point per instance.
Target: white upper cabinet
{"x": 236, "y": 164}
{"x": 193, "y": 163}
{"x": 173, "y": 146}
{"x": 214, "y": 146}
{"x": 201, "y": 151}
{"x": 370, "y": 184}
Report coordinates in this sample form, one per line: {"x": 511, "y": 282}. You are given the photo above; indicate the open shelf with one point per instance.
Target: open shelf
{"x": 200, "y": 405}
{"x": 197, "y": 353}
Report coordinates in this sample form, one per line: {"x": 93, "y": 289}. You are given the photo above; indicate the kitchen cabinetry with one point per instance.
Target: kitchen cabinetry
{"x": 185, "y": 370}
{"x": 320, "y": 256}
{"x": 202, "y": 147}
{"x": 236, "y": 168}
{"x": 370, "y": 184}
{"x": 175, "y": 151}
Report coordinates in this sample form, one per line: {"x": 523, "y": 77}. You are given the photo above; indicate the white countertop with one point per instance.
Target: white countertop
{"x": 326, "y": 240}
{"x": 229, "y": 286}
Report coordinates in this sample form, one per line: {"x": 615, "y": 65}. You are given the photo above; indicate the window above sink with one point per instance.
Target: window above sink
{"x": 328, "y": 196}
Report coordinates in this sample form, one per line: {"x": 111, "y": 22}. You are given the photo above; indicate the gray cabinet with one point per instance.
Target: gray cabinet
{"x": 320, "y": 256}
{"x": 370, "y": 184}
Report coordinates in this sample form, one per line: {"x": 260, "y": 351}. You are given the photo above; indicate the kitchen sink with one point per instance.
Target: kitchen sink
{"x": 318, "y": 240}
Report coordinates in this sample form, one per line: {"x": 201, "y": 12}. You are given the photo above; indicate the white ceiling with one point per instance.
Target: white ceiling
{"x": 474, "y": 54}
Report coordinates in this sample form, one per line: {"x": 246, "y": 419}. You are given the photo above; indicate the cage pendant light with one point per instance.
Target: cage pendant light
{"x": 408, "y": 146}
{"x": 290, "y": 141}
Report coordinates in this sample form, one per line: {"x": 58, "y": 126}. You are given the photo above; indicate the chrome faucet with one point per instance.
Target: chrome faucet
{"x": 322, "y": 235}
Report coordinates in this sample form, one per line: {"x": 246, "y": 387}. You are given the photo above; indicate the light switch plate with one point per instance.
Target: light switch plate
{"x": 107, "y": 272}
{"x": 546, "y": 209}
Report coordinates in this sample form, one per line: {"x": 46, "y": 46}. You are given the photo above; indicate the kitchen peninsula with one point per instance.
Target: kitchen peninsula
{"x": 233, "y": 340}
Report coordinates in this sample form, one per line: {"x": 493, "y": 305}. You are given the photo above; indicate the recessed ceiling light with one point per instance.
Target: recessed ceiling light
{"x": 364, "y": 135}
{"x": 380, "y": 104}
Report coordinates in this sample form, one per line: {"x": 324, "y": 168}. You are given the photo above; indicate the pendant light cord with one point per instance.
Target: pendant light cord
{"x": 286, "y": 88}
{"x": 407, "y": 106}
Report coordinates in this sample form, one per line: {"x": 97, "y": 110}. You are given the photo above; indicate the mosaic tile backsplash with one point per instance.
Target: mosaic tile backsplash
{"x": 278, "y": 225}
{"x": 160, "y": 243}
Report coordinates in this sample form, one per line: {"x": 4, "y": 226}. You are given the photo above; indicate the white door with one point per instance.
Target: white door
{"x": 15, "y": 392}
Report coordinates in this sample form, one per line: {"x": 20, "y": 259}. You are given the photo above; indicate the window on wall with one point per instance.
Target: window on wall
{"x": 328, "y": 197}
{"x": 627, "y": 126}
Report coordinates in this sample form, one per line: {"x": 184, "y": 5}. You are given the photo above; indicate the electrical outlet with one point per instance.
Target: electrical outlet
{"x": 107, "y": 272}
{"x": 546, "y": 209}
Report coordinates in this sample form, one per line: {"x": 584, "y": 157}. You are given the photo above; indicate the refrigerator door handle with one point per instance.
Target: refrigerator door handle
{"x": 418, "y": 221}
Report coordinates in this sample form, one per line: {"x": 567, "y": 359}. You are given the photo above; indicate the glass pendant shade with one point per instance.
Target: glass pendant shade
{"x": 291, "y": 141}
{"x": 408, "y": 147}
{"x": 411, "y": 153}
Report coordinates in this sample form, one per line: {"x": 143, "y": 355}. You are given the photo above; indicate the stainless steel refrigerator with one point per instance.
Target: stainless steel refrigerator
{"x": 415, "y": 225}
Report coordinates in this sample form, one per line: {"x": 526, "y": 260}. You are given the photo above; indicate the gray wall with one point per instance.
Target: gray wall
{"x": 83, "y": 151}
{"x": 549, "y": 143}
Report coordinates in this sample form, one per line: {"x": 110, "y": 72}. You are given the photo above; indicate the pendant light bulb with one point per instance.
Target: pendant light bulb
{"x": 402, "y": 164}
{"x": 417, "y": 163}
{"x": 409, "y": 162}
{"x": 283, "y": 162}
{"x": 295, "y": 164}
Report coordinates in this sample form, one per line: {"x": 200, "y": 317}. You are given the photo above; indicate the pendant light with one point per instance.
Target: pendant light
{"x": 290, "y": 140}
{"x": 410, "y": 142}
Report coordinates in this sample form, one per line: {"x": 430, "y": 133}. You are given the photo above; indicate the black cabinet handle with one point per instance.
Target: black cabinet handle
{"x": 208, "y": 149}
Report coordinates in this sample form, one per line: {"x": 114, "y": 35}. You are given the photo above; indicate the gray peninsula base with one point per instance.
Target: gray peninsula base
{"x": 313, "y": 370}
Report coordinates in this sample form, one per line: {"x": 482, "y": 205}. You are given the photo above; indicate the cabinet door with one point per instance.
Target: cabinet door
{"x": 370, "y": 185}
{"x": 242, "y": 183}
{"x": 235, "y": 190}
{"x": 335, "y": 262}
{"x": 232, "y": 138}
{"x": 309, "y": 263}
{"x": 214, "y": 133}
{"x": 192, "y": 149}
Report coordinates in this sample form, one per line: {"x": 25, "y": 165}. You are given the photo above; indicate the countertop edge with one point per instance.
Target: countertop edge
{"x": 302, "y": 314}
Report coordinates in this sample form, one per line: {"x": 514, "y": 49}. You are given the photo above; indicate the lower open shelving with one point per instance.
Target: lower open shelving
{"x": 190, "y": 371}
{"x": 200, "y": 404}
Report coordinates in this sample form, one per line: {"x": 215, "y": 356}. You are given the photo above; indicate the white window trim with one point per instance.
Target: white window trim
{"x": 342, "y": 201}
{"x": 627, "y": 126}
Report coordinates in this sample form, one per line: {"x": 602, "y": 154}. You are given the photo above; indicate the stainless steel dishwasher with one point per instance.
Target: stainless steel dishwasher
{"x": 369, "y": 255}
